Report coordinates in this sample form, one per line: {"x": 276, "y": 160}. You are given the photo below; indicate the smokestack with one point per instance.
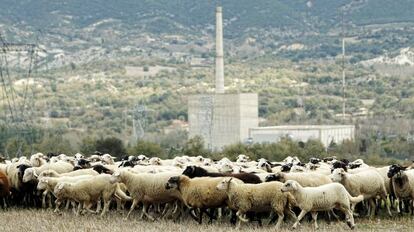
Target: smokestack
{"x": 219, "y": 52}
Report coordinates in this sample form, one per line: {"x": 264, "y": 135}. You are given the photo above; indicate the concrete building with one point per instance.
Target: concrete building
{"x": 325, "y": 133}
{"x": 222, "y": 119}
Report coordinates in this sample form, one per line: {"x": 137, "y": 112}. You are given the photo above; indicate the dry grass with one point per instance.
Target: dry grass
{"x": 24, "y": 220}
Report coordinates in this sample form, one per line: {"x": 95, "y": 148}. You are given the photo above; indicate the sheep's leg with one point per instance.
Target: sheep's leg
{"x": 134, "y": 203}
{"x": 44, "y": 199}
{"x": 67, "y": 204}
{"x": 118, "y": 204}
{"x": 50, "y": 200}
{"x": 279, "y": 220}
{"x": 105, "y": 208}
{"x": 98, "y": 205}
{"x": 371, "y": 208}
{"x": 145, "y": 212}
{"x": 57, "y": 203}
{"x": 242, "y": 216}
{"x": 301, "y": 215}
{"x": 315, "y": 218}
{"x": 79, "y": 209}
{"x": 289, "y": 212}
{"x": 387, "y": 205}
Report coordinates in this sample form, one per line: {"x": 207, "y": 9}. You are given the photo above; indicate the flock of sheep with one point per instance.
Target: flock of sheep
{"x": 242, "y": 190}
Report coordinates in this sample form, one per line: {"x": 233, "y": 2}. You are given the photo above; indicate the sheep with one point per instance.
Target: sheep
{"x": 198, "y": 193}
{"x": 369, "y": 183}
{"x": 80, "y": 172}
{"x": 146, "y": 188}
{"x": 48, "y": 183}
{"x": 4, "y": 189}
{"x": 194, "y": 171}
{"x": 256, "y": 197}
{"x": 89, "y": 191}
{"x": 309, "y": 179}
{"x": 402, "y": 181}
{"x": 322, "y": 198}
{"x": 36, "y": 160}
{"x": 60, "y": 167}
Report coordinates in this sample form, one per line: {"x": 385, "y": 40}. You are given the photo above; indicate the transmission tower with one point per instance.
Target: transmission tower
{"x": 17, "y": 104}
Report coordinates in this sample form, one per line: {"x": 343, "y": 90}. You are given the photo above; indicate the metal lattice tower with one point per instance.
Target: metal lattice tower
{"x": 17, "y": 104}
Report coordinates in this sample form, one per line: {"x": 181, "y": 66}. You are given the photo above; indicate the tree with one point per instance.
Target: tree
{"x": 147, "y": 148}
{"x": 88, "y": 146}
{"x": 195, "y": 147}
{"x": 111, "y": 145}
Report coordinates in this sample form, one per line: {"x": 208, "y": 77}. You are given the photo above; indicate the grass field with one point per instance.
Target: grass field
{"x": 24, "y": 220}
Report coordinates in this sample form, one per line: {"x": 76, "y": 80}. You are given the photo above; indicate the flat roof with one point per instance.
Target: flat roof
{"x": 303, "y": 127}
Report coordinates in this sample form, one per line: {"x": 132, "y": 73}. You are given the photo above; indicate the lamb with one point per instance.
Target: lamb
{"x": 198, "y": 193}
{"x": 322, "y": 198}
{"x": 89, "y": 191}
{"x": 262, "y": 197}
{"x": 369, "y": 183}
{"x": 309, "y": 179}
{"x": 146, "y": 188}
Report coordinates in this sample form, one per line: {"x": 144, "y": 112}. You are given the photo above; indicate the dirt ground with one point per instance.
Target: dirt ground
{"x": 25, "y": 220}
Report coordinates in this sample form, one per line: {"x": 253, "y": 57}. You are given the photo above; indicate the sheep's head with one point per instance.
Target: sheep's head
{"x": 339, "y": 164}
{"x": 155, "y": 161}
{"x": 290, "y": 186}
{"x": 189, "y": 171}
{"x": 115, "y": 178}
{"x": 42, "y": 184}
{"x": 29, "y": 174}
{"x": 226, "y": 168}
{"x": 83, "y": 163}
{"x": 224, "y": 184}
{"x": 108, "y": 159}
{"x": 271, "y": 177}
{"x": 242, "y": 158}
{"x": 395, "y": 169}
{"x": 338, "y": 175}
{"x": 46, "y": 173}
{"x": 173, "y": 183}
{"x": 79, "y": 156}
{"x": 286, "y": 167}
{"x": 314, "y": 160}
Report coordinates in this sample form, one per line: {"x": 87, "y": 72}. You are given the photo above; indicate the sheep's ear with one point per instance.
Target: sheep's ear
{"x": 60, "y": 186}
{"x": 34, "y": 174}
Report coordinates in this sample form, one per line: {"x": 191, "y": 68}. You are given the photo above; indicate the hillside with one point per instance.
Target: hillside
{"x": 103, "y": 58}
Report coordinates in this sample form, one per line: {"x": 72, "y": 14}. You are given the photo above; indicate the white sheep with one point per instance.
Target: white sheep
{"x": 307, "y": 179}
{"x": 89, "y": 191}
{"x": 146, "y": 188}
{"x": 80, "y": 172}
{"x": 369, "y": 183}
{"x": 33, "y": 172}
{"x": 321, "y": 198}
{"x": 262, "y": 197}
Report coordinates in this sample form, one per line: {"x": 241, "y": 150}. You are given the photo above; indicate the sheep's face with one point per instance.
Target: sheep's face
{"x": 115, "y": 178}
{"x": 272, "y": 177}
{"x": 337, "y": 175}
{"x": 108, "y": 159}
{"x": 155, "y": 161}
{"x": 42, "y": 185}
{"x": 314, "y": 160}
{"x": 46, "y": 173}
{"x": 226, "y": 168}
{"x": 224, "y": 184}
{"x": 173, "y": 183}
{"x": 289, "y": 186}
{"x": 286, "y": 167}
{"x": 79, "y": 156}
{"x": 189, "y": 171}
{"x": 29, "y": 174}
{"x": 395, "y": 169}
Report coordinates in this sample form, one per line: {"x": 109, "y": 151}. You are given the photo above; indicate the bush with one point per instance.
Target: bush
{"x": 147, "y": 148}
{"x": 111, "y": 145}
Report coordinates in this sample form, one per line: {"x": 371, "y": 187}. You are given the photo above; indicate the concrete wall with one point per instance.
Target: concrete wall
{"x": 222, "y": 119}
{"x": 325, "y": 133}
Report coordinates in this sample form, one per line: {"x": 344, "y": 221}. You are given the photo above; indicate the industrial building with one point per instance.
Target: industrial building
{"x": 222, "y": 119}
{"x": 325, "y": 133}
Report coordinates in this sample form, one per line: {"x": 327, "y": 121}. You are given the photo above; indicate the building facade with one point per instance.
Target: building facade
{"x": 325, "y": 133}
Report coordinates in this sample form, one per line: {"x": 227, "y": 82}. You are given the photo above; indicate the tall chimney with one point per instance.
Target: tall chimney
{"x": 219, "y": 52}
